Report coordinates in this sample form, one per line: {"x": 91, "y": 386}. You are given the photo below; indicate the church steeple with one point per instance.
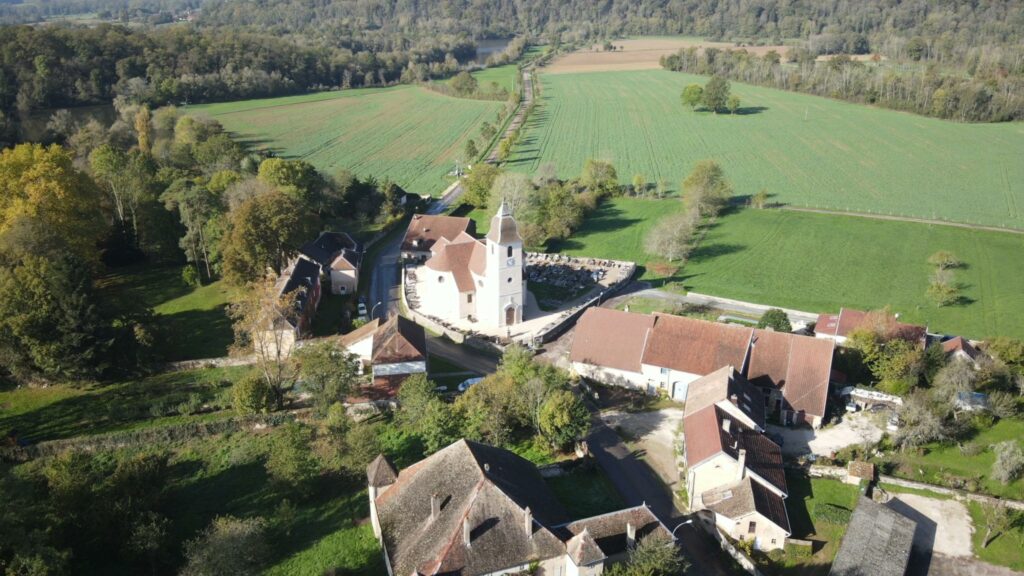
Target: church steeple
{"x": 504, "y": 229}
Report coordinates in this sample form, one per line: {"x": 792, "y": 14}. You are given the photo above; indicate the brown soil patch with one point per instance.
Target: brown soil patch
{"x": 662, "y": 268}
{"x": 639, "y": 54}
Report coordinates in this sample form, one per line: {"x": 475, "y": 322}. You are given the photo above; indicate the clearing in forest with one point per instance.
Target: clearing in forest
{"x": 405, "y": 133}
{"x": 803, "y": 150}
{"x": 640, "y": 54}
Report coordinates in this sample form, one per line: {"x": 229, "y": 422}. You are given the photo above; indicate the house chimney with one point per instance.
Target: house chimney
{"x": 742, "y": 469}
{"x": 435, "y": 507}
{"x": 466, "y": 531}
{"x": 727, "y": 425}
{"x": 528, "y": 522}
{"x": 630, "y": 535}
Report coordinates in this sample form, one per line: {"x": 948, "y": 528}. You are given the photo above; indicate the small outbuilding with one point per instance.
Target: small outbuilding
{"x": 877, "y": 542}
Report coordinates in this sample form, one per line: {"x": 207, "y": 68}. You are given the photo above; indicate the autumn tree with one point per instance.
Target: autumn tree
{"x": 228, "y": 546}
{"x": 297, "y": 178}
{"x": 672, "y": 237}
{"x": 40, "y": 184}
{"x": 707, "y": 189}
{"x": 563, "y": 418}
{"x": 478, "y": 184}
{"x": 464, "y": 83}
{"x": 716, "y": 93}
{"x": 328, "y": 372}
{"x": 601, "y": 176}
{"x": 692, "y": 96}
{"x": 776, "y": 319}
{"x": 654, "y": 555}
{"x": 263, "y": 233}
{"x": 144, "y": 129}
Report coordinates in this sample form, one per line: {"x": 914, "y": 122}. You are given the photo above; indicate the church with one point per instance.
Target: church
{"x": 477, "y": 281}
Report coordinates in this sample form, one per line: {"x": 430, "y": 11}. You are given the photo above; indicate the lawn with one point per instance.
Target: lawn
{"x": 406, "y": 133}
{"x": 819, "y": 263}
{"x": 194, "y": 320}
{"x": 503, "y": 76}
{"x": 586, "y": 492}
{"x": 1007, "y": 549}
{"x": 61, "y": 411}
{"x": 804, "y": 150}
{"x": 942, "y": 463}
{"x": 808, "y": 521}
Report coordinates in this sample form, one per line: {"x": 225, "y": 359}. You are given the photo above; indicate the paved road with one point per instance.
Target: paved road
{"x": 640, "y": 289}
{"x": 638, "y": 484}
{"x": 447, "y": 200}
{"x": 385, "y": 278}
{"x": 464, "y": 356}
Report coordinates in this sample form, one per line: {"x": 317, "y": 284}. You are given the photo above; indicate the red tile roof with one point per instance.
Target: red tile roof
{"x": 799, "y": 366}
{"x": 399, "y": 340}
{"x": 463, "y": 257}
{"x": 704, "y": 435}
{"x": 610, "y": 338}
{"x": 424, "y": 230}
{"x": 695, "y": 346}
{"x": 960, "y": 344}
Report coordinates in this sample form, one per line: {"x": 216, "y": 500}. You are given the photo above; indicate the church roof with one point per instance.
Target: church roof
{"x": 463, "y": 257}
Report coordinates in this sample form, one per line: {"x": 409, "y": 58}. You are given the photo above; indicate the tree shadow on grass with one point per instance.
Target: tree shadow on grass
{"x": 197, "y": 334}
{"x": 708, "y": 251}
{"x": 800, "y": 491}
{"x": 145, "y": 284}
{"x": 749, "y": 110}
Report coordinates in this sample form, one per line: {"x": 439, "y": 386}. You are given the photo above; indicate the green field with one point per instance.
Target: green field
{"x": 405, "y": 133}
{"x": 804, "y": 150}
{"x": 819, "y": 262}
{"x": 503, "y": 76}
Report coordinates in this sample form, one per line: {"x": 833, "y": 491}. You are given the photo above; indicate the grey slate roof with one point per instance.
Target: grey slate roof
{"x": 328, "y": 246}
{"x": 877, "y": 542}
{"x": 609, "y": 530}
{"x": 503, "y": 227}
{"x": 489, "y": 487}
{"x": 381, "y": 472}
{"x": 746, "y": 497}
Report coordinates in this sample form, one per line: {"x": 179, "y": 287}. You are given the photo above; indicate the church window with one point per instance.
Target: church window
{"x": 440, "y": 279}
{"x": 509, "y": 251}
{"x": 469, "y": 298}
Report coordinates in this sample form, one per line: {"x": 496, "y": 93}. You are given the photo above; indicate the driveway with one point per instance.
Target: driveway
{"x": 855, "y": 429}
{"x": 942, "y": 541}
{"x": 654, "y": 434}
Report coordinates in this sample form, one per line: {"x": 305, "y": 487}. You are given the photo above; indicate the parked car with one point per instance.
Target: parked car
{"x": 361, "y": 310}
{"x": 852, "y": 407}
{"x": 893, "y": 424}
{"x": 467, "y": 383}
{"x": 441, "y": 389}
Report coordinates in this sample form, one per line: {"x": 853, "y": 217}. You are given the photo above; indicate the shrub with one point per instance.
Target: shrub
{"x": 192, "y": 405}
{"x": 775, "y": 319}
{"x": 252, "y": 395}
{"x": 832, "y": 513}
{"x": 290, "y": 461}
{"x": 1009, "y": 461}
{"x": 190, "y": 276}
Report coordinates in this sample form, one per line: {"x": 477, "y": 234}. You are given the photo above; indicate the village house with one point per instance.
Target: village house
{"x": 474, "y": 510}
{"x": 339, "y": 257}
{"x": 878, "y": 542}
{"x": 391, "y": 352}
{"x": 300, "y": 283}
{"x": 837, "y": 327}
{"x": 425, "y": 230}
{"x": 959, "y": 348}
{"x": 480, "y": 281}
{"x": 653, "y": 352}
{"x": 734, "y": 474}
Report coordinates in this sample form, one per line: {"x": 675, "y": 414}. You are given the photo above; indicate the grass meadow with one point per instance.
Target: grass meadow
{"x": 404, "y": 133}
{"x": 804, "y": 150}
{"x": 821, "y": 262}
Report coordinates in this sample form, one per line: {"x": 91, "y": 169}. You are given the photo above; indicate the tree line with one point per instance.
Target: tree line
{"x": 988, "y": 90}
{"x": 47, "y": 67}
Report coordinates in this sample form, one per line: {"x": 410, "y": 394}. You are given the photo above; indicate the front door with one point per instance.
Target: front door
{"x": 510, "y": 315}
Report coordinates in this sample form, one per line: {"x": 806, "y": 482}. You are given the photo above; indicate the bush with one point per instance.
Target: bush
{"x": 192, "y": 405}
{"x": 228, "y": 546}
{"x": 252, "y": 395}
{"x": 1009, "y": 461}
{"x": 775, "y": 319}
{"x": 290, "y": 461}
{"x": 190, "y": 276}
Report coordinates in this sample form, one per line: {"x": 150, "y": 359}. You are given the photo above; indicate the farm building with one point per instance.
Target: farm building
{"x": 665, "y": 352}
{"x": 878, "y": 541}
{"x": 339, "y": 257}
{"x": 391, "y": 351}
{"x": 960, "y": 348}
{"x": 837, "y": 327}
{"x": 734, "y": 473}
{"x": 473, "y": 509}
{"x": 301, "y": 282}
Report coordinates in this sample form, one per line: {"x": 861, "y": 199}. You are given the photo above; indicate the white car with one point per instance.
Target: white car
{"x": 361, "y": 310}
{"x": 852, "y": 407}
{"x": 466, "y": 384}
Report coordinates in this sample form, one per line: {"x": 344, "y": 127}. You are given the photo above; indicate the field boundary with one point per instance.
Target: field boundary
{"x": 895, "y": 218}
